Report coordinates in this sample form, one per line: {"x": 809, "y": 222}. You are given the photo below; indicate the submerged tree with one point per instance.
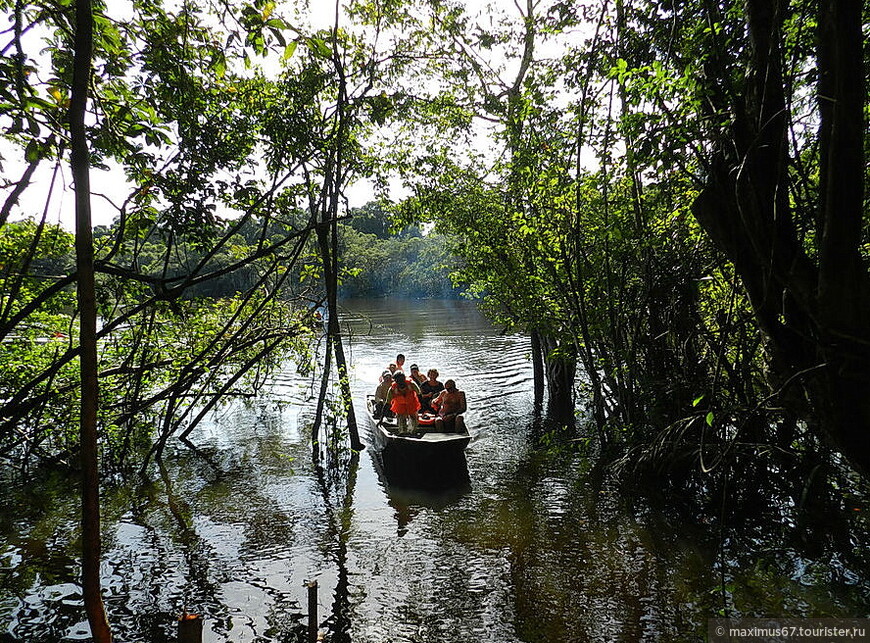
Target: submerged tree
{"x": 797, "y": 242}
{"x": 493, "y": 221}
{"x": 161, "y": 109}
{"x": 768, "y": 101}
{"x": 87, "y": 302}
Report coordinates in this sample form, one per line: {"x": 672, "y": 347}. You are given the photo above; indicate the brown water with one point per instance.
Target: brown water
{"x": 535, "y": 546}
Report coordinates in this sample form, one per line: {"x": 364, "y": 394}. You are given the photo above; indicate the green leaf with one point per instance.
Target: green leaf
{"x": 289, "y": 50}
{"x": 697, "y": 400}
{"x": 709, "y": 419}
{"x": 319, "y": 47}
{"x": 31, "y": 154}
{"x": 220, "y": 67}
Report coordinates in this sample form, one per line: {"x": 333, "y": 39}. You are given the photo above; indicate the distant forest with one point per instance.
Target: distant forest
{"x": 377, "y": 258}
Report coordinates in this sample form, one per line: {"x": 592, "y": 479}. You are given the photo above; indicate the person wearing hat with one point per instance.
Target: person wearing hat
{"x": 381, "y": 394}
{"x": 416, "y": 375}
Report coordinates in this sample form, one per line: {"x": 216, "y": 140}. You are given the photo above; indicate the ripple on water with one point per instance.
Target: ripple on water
{"x": 532, "y": 549}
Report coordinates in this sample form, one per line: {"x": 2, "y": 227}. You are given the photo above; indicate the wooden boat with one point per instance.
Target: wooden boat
{"x": 424, "y": 447}
{"x": 409, "y": 484}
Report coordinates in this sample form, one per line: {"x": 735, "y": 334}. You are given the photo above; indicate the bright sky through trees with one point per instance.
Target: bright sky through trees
{"x": 110, "y": 187}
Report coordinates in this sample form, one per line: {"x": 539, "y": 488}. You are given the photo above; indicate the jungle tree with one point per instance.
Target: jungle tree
{"x": 555, "y": 233}
{"x": 162, "y": 113}
{"x": 87, "y": 302}
{"x": 493, "y": 224}
{"x": 779, "y": 92}
{"x": 320, "y": 118}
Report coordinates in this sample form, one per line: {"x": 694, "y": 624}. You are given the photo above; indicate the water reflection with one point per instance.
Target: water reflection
{"x": 523, "y": 543}
{"x": 409, "y": 491}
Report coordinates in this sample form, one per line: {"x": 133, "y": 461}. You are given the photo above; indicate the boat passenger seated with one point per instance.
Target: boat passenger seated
{"x": 429, "y": 390}
{"x": 416, "y": 375}
{"x": 381, "y": 409}
{"x": 391, "y": 369}
{"x": 450, "y": 405}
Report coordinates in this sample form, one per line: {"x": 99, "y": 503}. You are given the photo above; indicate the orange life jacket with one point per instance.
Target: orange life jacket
{"x": 404, "y": 401}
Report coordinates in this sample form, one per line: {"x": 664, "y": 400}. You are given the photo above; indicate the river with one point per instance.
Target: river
{"x": 536, "y": 545}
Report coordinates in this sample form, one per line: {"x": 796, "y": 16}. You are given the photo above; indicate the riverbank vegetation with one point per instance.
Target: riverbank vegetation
{"x": 669, "y": 199}
{"x": 660, "y": 204}
{"x": 152, "y": 371}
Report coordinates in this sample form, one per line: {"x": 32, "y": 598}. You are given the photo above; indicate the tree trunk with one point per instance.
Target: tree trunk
{"x": 88, "y": 326}
{"x": 561, "y": 364}
{"x": 321, "y": 398}
{"x": 335, "y": 330}
{"x": 843, "y": 280}
{"x": 326, "y": 236}
{"x": 816, "y": 315}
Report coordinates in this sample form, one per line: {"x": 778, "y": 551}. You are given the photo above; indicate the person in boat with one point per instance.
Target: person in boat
{"x": 381, "y": 394}
{"x": 417, "y": 376}
{"x": 403, "y": 400}
{"x": 429, "y": 390}
{"x": 391, "y": 369}
{"x": 400, "y": 363}
{"x": 450, "y": 405}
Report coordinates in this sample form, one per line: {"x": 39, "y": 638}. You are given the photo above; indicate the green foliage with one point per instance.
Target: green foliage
{"x": 194, "y": 279}
{"x": 153, "y": 352}
{"x": 578, "y": 226}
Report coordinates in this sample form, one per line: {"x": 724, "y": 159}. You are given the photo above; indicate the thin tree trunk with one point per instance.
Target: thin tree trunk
{"x": 344, "y": 382}
{"x": 332, "y": 285}
{"x": 321, "y": 398}
{"x": 538, "y": 371}
{"x": 88, "y": 319}
{"x": 327, "y": 237}
{"x": 328, "y": 253}
{"x": 335, "y": 330}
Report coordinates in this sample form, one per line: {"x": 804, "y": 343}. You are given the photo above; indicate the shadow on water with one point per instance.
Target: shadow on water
{"x": 410, "y": 489}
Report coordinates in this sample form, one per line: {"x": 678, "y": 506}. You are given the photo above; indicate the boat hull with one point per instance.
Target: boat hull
{"x": 426, "y": 451}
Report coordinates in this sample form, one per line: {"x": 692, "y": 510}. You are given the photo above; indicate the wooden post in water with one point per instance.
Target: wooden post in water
{"x": 190, "y": 628}
{"x": 312, "y": 611}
